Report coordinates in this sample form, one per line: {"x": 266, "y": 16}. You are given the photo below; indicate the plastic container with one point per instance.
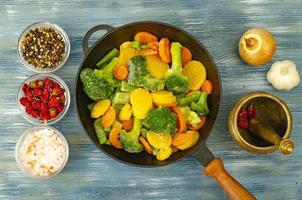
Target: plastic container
{"x": 59, "y": 30}
{"x": 28, "y": 117}
{"x": 21, "y": 141}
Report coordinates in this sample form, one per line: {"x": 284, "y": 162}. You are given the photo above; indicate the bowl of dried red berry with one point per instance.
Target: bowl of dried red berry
{"x": 43, "y": 99}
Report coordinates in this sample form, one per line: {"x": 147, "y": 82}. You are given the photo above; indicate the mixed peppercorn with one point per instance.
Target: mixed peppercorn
{"x": 43, "y": 48}
{"x": 43, "y": 99}
{"x": 245, "y": 115}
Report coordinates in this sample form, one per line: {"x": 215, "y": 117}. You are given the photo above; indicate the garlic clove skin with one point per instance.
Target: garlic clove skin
{"x": 257, "y": 46}
{"x": 283, "y": 75}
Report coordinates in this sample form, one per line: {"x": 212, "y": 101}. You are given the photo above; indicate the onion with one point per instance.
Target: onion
{"x": 257, "y": 46}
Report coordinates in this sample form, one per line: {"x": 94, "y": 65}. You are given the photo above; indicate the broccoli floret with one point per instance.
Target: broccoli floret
{"x": 138, "y": 75}
{"x": 130, "y": 140}
{"x": 187, "y": 100}
{"x": 153, "y": 84}
{"x": 161, "y": 120}
{"x": 106, "y": 72}
{"x": 95, "y": 87}
{"x": 201, "y": 106}
{"x": 174, "y": 79}
{"x": 190, "y": 116}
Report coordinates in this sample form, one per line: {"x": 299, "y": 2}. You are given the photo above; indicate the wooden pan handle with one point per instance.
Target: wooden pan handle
{"x": 232, "y": 188}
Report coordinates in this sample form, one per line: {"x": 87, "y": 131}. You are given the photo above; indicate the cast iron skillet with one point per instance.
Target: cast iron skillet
{"x": 114, "y": 38}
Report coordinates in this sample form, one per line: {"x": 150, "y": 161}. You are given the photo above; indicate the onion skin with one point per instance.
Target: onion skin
{"x": 257, "y": 46}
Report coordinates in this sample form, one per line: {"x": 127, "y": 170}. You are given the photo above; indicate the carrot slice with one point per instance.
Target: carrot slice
{"x": 147, "y": 52}
{"x": 145, "y": 37}
{"x": 164, "y": 50}
{"x": 120, "y": 72}
{"x": 207, "y": 86}
{"x": 127, "y": 124}
{"x": 181, "y": 123}
{"x": 146, "y": 145}
{"x": 114, "y": 137}
{"x": 200, "y": 124}
{"x": 109, "y": 117}
{"x": 153, "y": 45}
{"x": 186, "y": 56}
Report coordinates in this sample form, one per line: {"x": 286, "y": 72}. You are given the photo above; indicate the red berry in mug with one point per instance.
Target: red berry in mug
{"x": 250, "y": 112}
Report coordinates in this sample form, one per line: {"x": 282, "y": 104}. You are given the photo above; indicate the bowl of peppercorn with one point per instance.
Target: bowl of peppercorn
{"x": 43, "y": 99}
{"x": 43, "y": 47}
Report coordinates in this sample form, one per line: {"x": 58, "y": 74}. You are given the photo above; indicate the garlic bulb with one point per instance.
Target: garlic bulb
{"x": 283, "y": 75}
{"x": 257, "y": 46}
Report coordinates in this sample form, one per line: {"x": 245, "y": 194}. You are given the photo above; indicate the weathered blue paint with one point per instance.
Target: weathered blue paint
{"x": 89, "y": 174}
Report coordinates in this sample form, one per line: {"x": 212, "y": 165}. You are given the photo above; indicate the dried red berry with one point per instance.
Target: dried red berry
{"x": 28, "y": 109}
{"x": 53, "y": 102}
{"x": 24, "y": 101}
{"x": 53, "y": 112}
{"x": 57, "y": 91}
{"x": 60, "y": 108}
{"x": 29, "y": 96}
{"x": 25, "y": 87}
{"x": 37, "y": 92}
{"x": 44, "y": 115}
{"x": 34, "y": 114}
{"x": 56, "y": 85}
{"x": 49, "y": 82}
{"x": 43, "y": 107}
{"x": 62, "y": 98}
{"x": 35, "y": 104}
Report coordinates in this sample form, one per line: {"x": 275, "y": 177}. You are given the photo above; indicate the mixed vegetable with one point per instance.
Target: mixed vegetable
{"x": 148, "y": 95}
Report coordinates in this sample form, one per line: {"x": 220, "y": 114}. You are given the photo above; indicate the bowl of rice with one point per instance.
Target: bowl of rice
{"x": 41, "y": 152}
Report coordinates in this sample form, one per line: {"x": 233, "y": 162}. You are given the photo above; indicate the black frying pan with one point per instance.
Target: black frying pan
{"x": 114, "y": 38}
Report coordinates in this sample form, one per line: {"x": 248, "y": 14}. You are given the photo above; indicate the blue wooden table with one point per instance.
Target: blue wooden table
{"x": 90, "y": 174}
